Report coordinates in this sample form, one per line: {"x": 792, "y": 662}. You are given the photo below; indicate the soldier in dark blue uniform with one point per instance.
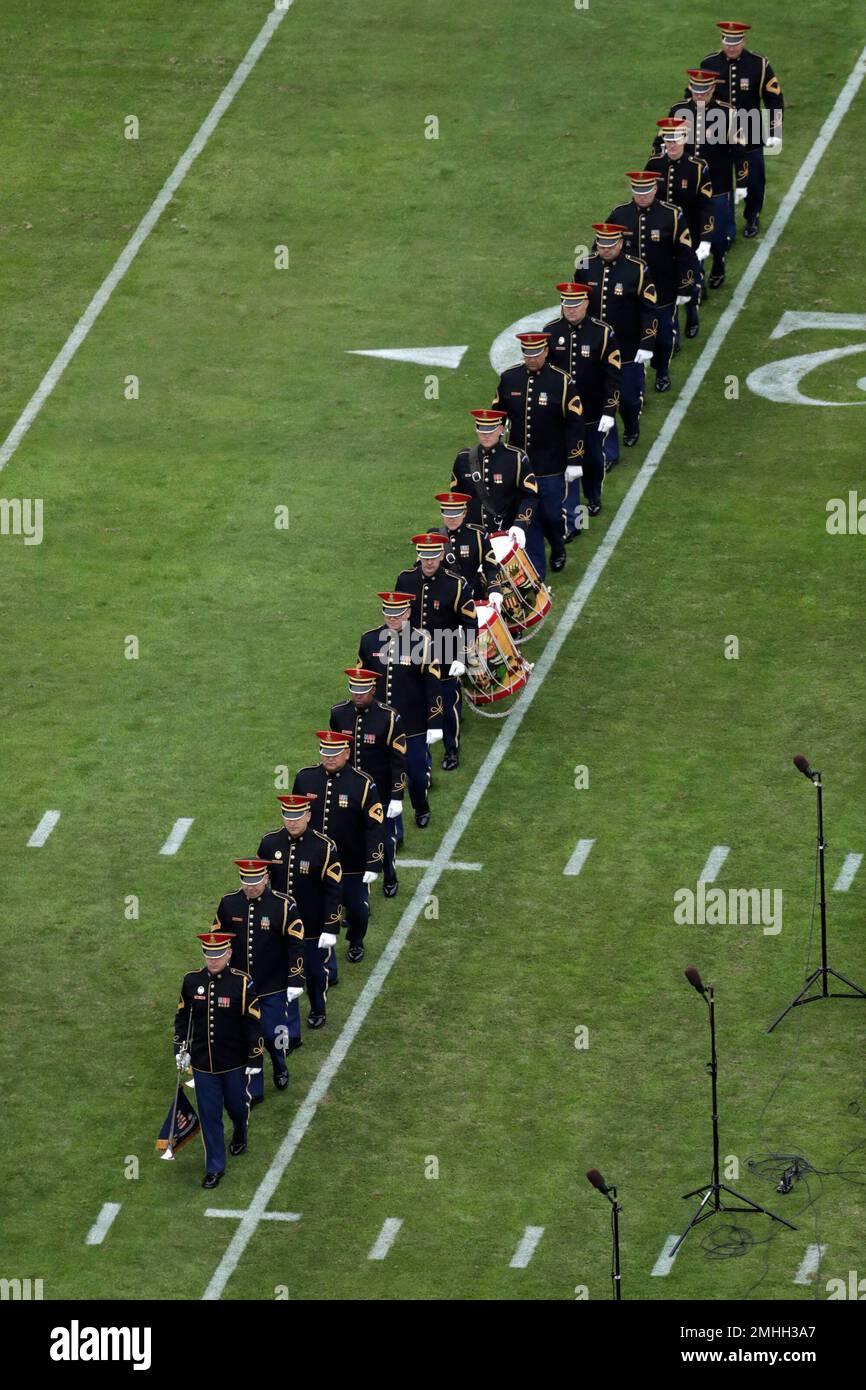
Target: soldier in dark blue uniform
{"x": 545, "y": 414}
{"x": 622, "y": 293}
{"x": 268, "y": 936}
{"x": 708, "y": 137}
{"x": 658, "y": 234}
{"x": 407, "y": 677}
{"x": 347, "y": 808}
{"x": 586, "y": 349}
{"x": 443, "y": 606}
{"x": 379, "y": 749}
{"x": 218, "y": 1031}
{"x": 467, "y": 548}
{"x": 305, "y": 866}
{"x": 751, "y": 88}
{"x": 685, "y": 180}
{"x": 498, "y": 478}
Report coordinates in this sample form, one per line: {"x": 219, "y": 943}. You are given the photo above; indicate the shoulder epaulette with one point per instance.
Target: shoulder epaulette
{"x": 601, "y": 323}
{"x": 637, "y": 261}
{"x": 327, "y": 839}
{"x": 243, "y": 974}
{"x": 514, "y": 449}
{"x": 557, "y": 369}
{"x": 314, "y": 767}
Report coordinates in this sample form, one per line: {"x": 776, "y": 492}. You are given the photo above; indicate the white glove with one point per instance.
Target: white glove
{"x": 369, "y": 876}
{"x": 293, "y": 992}
{"x": 182, "y": 1059}
{"x": 326, "y": 940}
{"x": 457, "y": 669}
{"x": 395, "y": 809}
{"x": 643, "y": 355}
{"x": 495, "y": 600}
{"x": 683, "y": 299}
{"x": 573, "y": 471}
{"x": 434, "y": 735}
{"x": 253, "y": 1071}
{"x": 517, "y": 535}
{"x": 739, "y": 194}
{"x": 773, "y": 141}
{"x": 606, "y": 423}
{"x": 703, "y": 250}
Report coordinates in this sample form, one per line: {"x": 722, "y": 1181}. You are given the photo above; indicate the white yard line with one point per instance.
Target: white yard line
{"x": 235, "y": 1215}
{"x": 811, "y": 1261}
{"x": 43, "y": 829}
{"x": 510, "y": 726}
{"x": 715, "y": 859}
{"x": 178, "y": 835}
{"x": 425, "y": 864}
{"x": 665, "y": 1260}
{"x": 526, "y": 1249}
{"x": 579, "y": 858}
{"x": 141, "y": 233}
{"x": 846, "y": 873}
{"x": 99, "y": 1230}
{"x": 386, "y": 1237}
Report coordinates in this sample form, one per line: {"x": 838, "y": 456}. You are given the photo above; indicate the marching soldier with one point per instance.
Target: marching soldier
{"x": 305, "y": 867}
{"x": 217, "y": 1030}
{"x": 708, "y": 138}
{"x": 467, "y": 548}
{"x": 498, "y": 478}
{"x": 347, "y": 807}
{"x": 657, "y": 233}
{"x": 622, "y": 293}
{"x": 267, "y": 946}
{"x": 408, "y": 678}
{"x": 379, "y": 749}
{"x": 685, "y": 180}
{"x": 585, "y": 348}
{"x": 443, "y": 606}
{"x": 748, "y": 84}
{"x": 546, "y": 418}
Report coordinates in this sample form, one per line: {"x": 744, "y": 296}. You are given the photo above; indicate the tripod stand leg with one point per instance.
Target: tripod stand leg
{"x": 798, "y": 999}
{"x": 845, "y": 981}
{"x": 756, "y": 1206}
{"x": 699, "y": 1214}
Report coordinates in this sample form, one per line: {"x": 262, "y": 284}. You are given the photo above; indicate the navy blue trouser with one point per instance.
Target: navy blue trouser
{"x": 416, "y": 775}
{"x": 212, "y": 1092}
{"x": 356, "y": 907}
{"x": 723, "y": 214}
{"x": 593, "y": 474}
{"x": 664, "y": 338}
{"x": 275, "y": 1014}
{"x": 316, "y": 960}
{"x": 756, "y": 182}
{"x": 390, "y": 848}
{"x": 631, "y": 390}
{"x": 452, "y": 701}
{"x": 548, "y": 522}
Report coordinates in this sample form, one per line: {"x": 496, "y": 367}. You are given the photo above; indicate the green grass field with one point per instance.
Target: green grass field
{"x": 159, "y": 523}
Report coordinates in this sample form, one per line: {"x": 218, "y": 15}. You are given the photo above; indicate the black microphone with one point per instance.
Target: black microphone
{"x": 694, "y": 979}
{"x": 598, "y": 1181}
{"x": 802, "y": 765}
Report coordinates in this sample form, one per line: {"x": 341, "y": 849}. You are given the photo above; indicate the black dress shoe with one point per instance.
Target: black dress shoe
{"x": 294, "y": 1044}
{"x": 629, "y": 440}
{"x": 609, "y": 464}
{"x": 316, "y": 1021}
{"x": 693, "y": 329}
{"x": 572, "y": 536}
{"x": 355, "y": 953}
{"x": 211, "y": 1179}
{"x": 594, "y": 508}
{"x": 558, "y": 561}
{"x": 422, "y": 820}
{"x": 390, "y": 889}
{"x": 663, "y": 382}
{"x": 750, "y": 230}
{"x": 237, "y": 1147}
{"x": 677, "y": 347}
{"x": 717, "y": 276}
{"x": 281, "y": 1080}
{"x": 450, "y": 761}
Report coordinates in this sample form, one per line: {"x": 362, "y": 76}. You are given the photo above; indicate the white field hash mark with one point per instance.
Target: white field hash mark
{"x": 715, "y": 859}
{"x": 579, "y": 858}
{"x": 527, "y": 1247}
{"x": 386, "y": 1237}
{"x": 847, "y": 872}
{"x": 43, "y": 829}
{"x": 811, "y": 1260}
{"x": 99, "y": 1230}
{"x": 178, "y": 834}
{"x": 663, "y": 1264}
{"x": 142, "y": 232}
{"x": 477, "y": 788}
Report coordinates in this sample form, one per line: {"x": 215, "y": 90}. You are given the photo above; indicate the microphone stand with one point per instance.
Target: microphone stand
{"x": 711, "y": 1192}
{"x": 615, "y": 1275}
{"x": 824, "y": 971}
